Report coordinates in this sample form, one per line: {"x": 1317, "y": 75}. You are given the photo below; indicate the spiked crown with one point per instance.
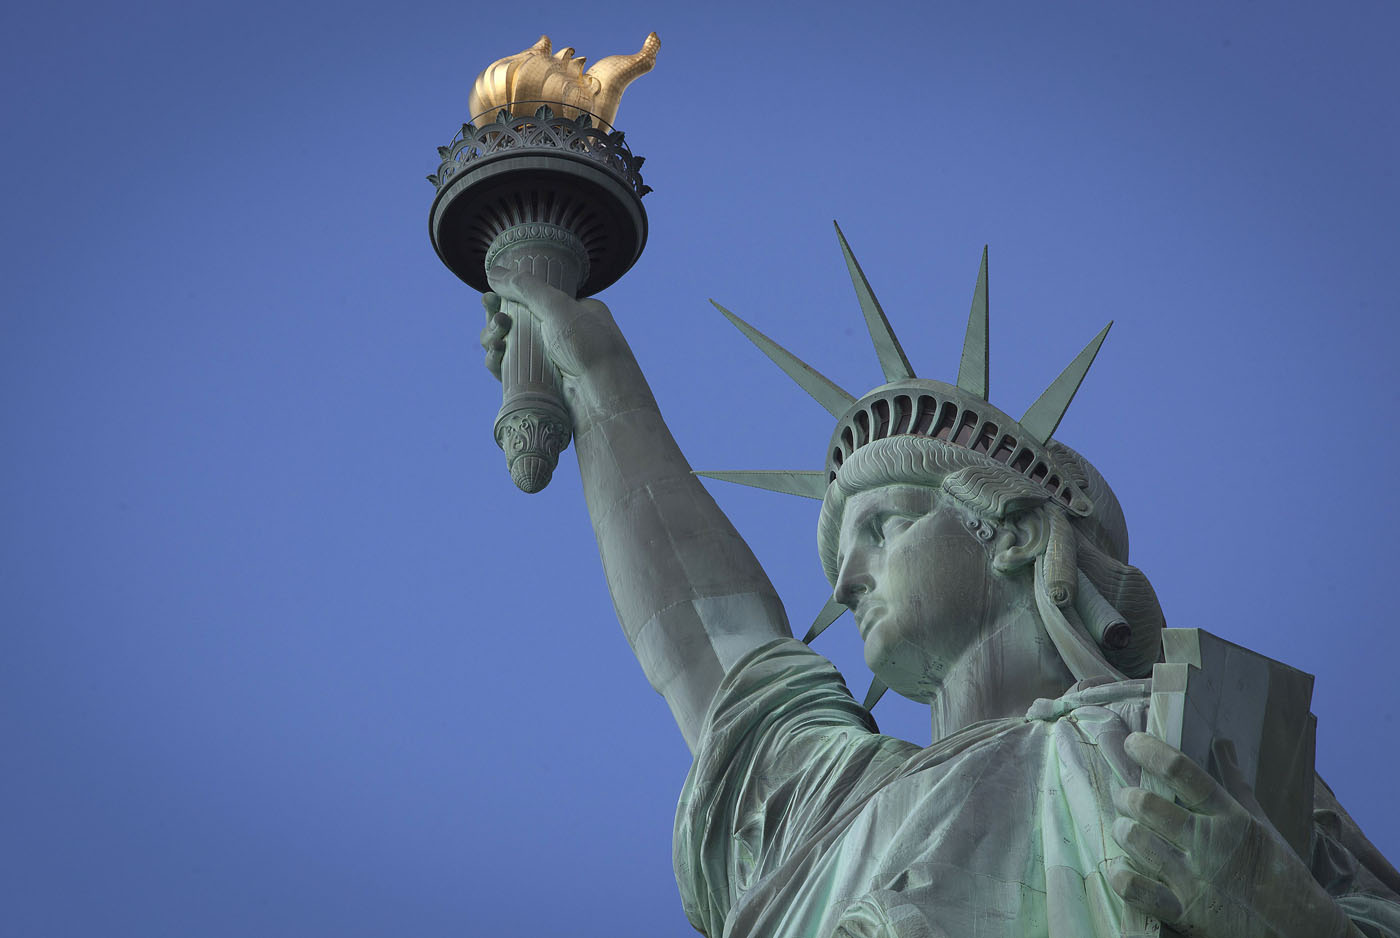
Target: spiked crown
{"x": 956, "y": 414}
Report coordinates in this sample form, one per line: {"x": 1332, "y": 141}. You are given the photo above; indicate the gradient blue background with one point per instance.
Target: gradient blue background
{"x": 282, "y": 651}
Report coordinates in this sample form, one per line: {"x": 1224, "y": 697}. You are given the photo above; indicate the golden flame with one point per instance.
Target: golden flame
{"x": 543, "y": 75}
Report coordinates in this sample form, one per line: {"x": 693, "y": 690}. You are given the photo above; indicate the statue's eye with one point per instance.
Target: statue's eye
{"x": 892, "y": 525}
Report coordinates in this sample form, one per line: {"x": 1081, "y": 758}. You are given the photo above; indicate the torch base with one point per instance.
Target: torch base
{"x": 571, "y": 195}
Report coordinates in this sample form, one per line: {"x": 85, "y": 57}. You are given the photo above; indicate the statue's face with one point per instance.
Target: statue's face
{"x": 919, "y": 581}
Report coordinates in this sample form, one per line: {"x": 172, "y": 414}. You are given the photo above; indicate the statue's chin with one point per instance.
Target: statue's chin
{"x": 905, "y": 667}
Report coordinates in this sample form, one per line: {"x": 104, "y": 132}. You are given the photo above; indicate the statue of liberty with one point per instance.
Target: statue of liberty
{"x": 986, "y": 567}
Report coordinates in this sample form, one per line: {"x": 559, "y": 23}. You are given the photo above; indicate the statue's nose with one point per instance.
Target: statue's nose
{"x": 852, "y": 581}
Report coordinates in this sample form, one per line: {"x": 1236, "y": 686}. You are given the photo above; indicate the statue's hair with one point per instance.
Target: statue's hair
{"x": 983, "y": 485}
{"x": 1095, "y": 545}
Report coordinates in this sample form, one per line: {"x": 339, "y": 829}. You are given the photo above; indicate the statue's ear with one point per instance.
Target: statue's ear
{"x": 1020, "y": 539}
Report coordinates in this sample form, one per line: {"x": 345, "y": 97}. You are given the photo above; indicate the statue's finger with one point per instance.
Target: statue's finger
{"x": 505, "y": 282}
{"x": 1154, "y": 857}
{"x": 1156, "y": 813}
{"x": 528, "y": 289}
{"x": 1110, "y": 746}
{"x": 1191, "y": 783}
{"x": 493, "y": 334}
{"x": 1149, "y": 851}
{"x": 1143, "y": 892}
{"x": 493, "y": 360}
{"x": 492, "y": 302}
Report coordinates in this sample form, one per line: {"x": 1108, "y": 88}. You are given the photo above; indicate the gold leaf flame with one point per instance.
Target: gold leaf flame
{"x": 539, "y": 74}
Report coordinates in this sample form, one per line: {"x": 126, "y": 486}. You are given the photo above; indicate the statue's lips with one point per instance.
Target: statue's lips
{"x": 866, "y": 618}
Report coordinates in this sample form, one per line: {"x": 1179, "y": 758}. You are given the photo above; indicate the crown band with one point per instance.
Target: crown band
{"x": 933, "y": 410}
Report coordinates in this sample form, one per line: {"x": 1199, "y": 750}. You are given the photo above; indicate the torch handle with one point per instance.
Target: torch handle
{"x": 533, "y": 426}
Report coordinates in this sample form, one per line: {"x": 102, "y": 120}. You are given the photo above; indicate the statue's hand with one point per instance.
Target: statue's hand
{"x": 493, "y": 335}
{"x": 1212, "y": 866}
{"x": 579, "y": 335}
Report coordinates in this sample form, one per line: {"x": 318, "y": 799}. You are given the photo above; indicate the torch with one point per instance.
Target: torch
{"x": 539, "y": 180}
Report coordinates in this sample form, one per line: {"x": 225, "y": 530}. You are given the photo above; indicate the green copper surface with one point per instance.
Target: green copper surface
{"x": 874, "y": 693}
{"x": 828, "y": 614}
{"x": 823, "y": 389}
{"x": 892, "y": 358}
{"x": 972, "y": 369}
{"x": 1044, "y": 416}
{"x": 808, "y": 484}
{"x": 986, "y": 570}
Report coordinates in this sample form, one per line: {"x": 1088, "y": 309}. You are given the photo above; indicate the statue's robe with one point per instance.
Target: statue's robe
{"x": 799, "y": 820}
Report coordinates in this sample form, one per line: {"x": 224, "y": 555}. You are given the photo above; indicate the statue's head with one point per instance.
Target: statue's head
{"x": 931, "y": 545}
{"x": 942, "y": 514}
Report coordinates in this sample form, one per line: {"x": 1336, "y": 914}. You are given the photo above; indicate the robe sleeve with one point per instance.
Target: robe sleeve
{"x": 783, "y": 750}
{"x": 1352, "y": 870}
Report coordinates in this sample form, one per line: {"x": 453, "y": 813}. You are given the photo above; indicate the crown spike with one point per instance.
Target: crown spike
{"x": 892, "y": 359}
{"x": 826, "y": 392}
{"x": 829, "y": 614}
{"x": 873, "y": 695}
{"x": 788, "y": 482}
{"x": 972, "y": 370}
{"x": 1044, "y": 416}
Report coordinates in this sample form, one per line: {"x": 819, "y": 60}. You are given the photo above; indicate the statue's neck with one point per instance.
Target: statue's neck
{"x": 1001, "y": 676}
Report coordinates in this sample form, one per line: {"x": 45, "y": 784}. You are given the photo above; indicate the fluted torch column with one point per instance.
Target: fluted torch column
{"x": 533, "y": 426}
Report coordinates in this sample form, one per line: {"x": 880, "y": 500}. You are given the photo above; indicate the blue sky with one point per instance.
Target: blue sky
{"x": 282, "y": 651}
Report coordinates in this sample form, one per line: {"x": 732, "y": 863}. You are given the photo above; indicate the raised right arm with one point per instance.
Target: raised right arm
{"x": 689, "y": 593}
